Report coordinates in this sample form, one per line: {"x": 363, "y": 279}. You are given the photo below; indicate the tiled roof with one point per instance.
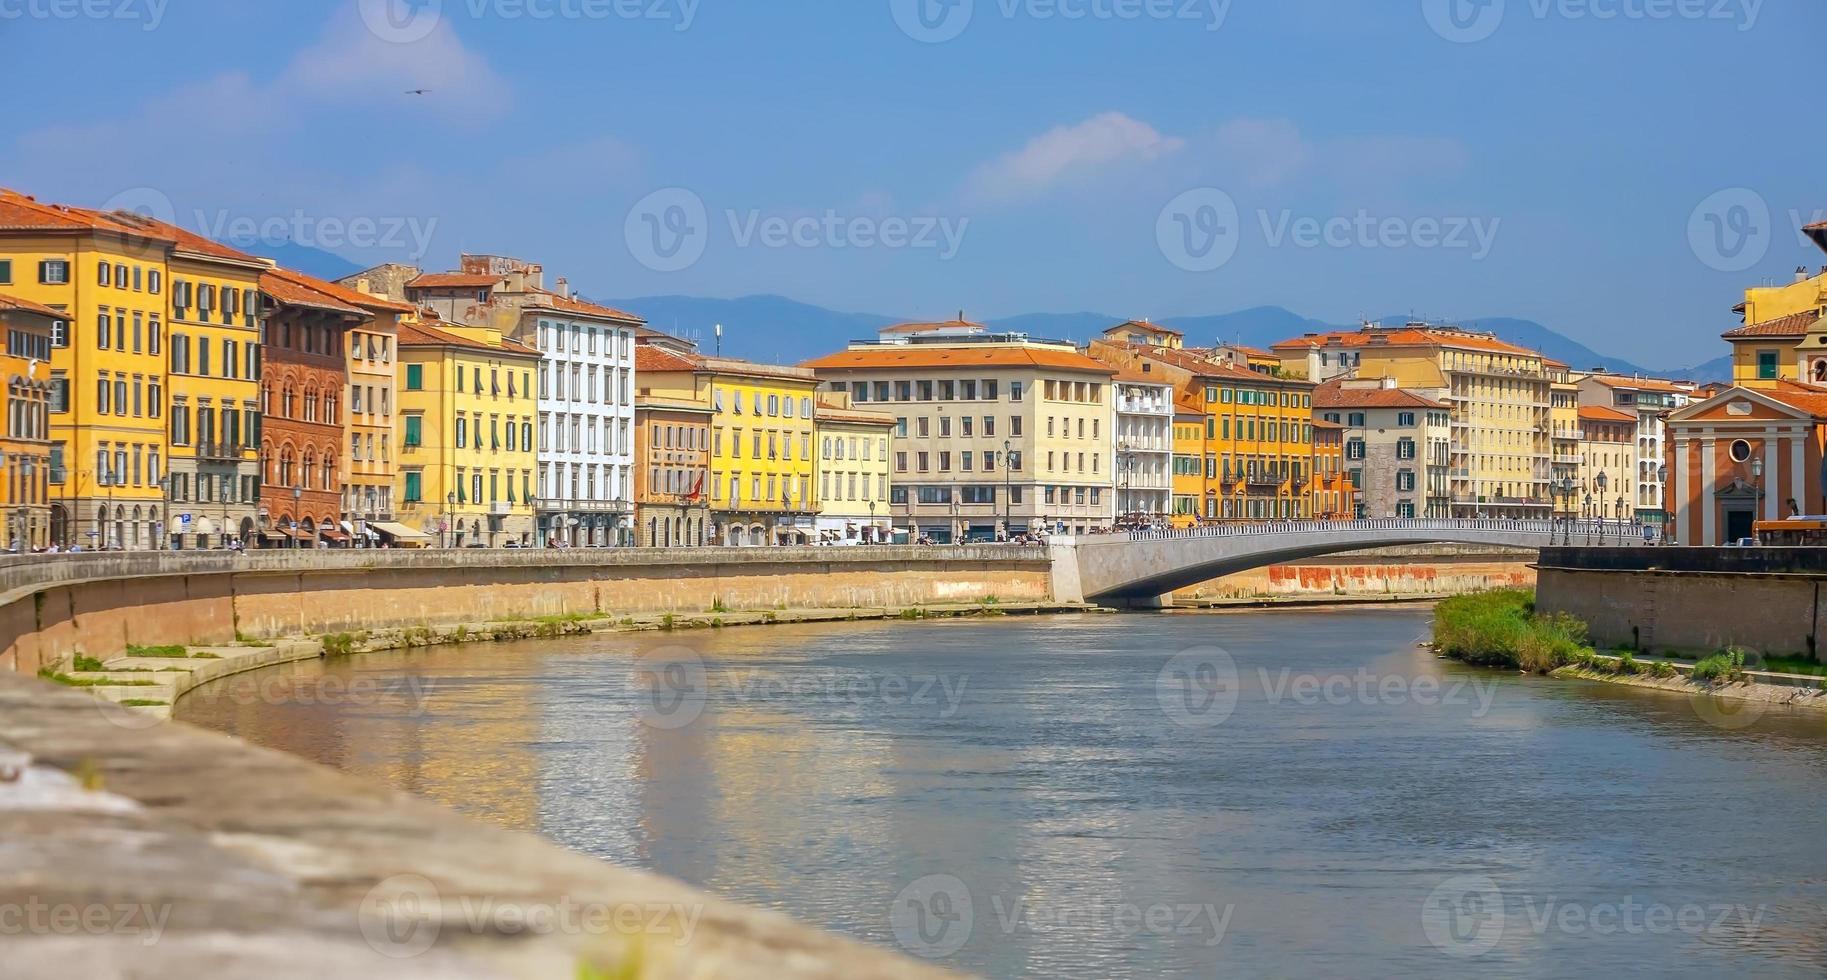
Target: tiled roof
{"x": 565, "y": 304}
{"x": 21, "y": 213}
{"x": 1806, "y": 397}
{"x": 1599, "y": 413}
{"x": 1196, "y": 364}
{"x": 185, "y": 240}
{"x": 341, "y": 293}
{"x": 1406, "y": 337}
{"x": 297, "y": 289}
{"x": 649, "y": 359}
{"x": 1323, "y": 424}
{"x": 16, "y": 304}
{"x": 936, "y": 357}
{"x": 425, "y": 335}
{"x": 1130, "y": 376}
{"x": 454, "y": 280}
{"x": 1145, "y": 325}
{"x": 1334, "y": 394}
{"x": 1639, "y": 384}
{"x": 1794, "y": 327}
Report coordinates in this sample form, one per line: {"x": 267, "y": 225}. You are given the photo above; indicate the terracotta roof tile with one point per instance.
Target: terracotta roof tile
{"x": 912, "y": 328}
{"x": 832, "y": 413}
{"x": 1599, "y": 413}
{"x": 16, "y": 304}
{"x": 1334, "y": 394}
{"x": 1196, "y": 364}
{"x": 1145, "y": 325}
{"x": 650, "y": 359}
{"x": 1808, "y": 398}
{"x": 935, "y": 357}
{"x": 297, "y": 289}
{"x": 1407, "y": 337}
{"x": 426, "y": 335}
{"x": 1794, "y": 326}
{"x": 454, "y": 280}
{"x": 21, "y": 213}
{"x": 565, "y": 304}
{"x": 1639, "y": 384}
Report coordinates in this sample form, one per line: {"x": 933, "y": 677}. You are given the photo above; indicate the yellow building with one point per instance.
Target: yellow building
{"x": 107, "y": 369}
{"x": 853, "y": 473}
{"x": 1501, "y": 395}
{"x": 1564, "y": 440}
{"x": 213, "y": 362}
{"x": 1255, "y": 453}
{"x": 762, "y": 488}
{"x": 25, "y": 451}
{"x": 1784, "y": 337}
{"x": 467, "y": 448}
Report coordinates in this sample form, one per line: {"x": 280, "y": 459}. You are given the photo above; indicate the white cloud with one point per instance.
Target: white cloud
{"x": 1070, "y": 152}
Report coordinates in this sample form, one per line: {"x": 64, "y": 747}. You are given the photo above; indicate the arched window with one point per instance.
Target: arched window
{"x": 310, "y": 469}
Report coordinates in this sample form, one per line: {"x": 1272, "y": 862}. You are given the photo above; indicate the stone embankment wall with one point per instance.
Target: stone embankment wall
{"x": 1422, "y": 571}
{"x": 1690, "y": 600}
{"x": 52, "y": 608}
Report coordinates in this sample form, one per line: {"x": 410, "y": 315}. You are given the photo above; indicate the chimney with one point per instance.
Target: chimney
{"x": 1801, "y": 273}
{"x": 564, "y": 287}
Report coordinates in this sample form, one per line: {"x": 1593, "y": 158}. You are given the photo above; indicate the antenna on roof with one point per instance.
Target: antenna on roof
{"x": 719, "y": 340}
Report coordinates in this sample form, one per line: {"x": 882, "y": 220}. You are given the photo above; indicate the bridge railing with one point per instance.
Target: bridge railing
{"x": 1623, "y": 530}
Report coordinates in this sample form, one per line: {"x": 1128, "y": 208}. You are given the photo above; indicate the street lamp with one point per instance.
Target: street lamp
{"x": 450, "y": 519}
{"x": 297, "y": 506}
{"x": 1008, "y": 529}
{"x": 164, "y": 512}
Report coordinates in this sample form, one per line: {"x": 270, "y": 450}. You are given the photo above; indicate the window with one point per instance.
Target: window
{"x": 1405, "y": 420}
{"x": 6, "y": 272}
{"x": 415, "y": 377}
{"x": 415, "y": 487}
{"x": 415, "y": 429}
{"x": 1766, "y": 365}
{"x": 1741, "y": 451}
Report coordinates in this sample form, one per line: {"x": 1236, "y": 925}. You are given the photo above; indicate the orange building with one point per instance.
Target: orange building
{"x": 1746, "y": 455}
{"x": 672, "y": 459}
{"x": 1330, "y": 491}
{"x": 25, "y": 451}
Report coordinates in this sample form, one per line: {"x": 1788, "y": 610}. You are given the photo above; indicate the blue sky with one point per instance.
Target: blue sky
{"x": 1533, "y": 158}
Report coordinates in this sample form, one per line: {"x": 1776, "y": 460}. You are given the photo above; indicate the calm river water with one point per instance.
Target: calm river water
{"x": 1262, "y": 794}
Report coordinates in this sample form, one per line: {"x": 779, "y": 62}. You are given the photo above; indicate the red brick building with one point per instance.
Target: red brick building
{"x": 302, "y": 379}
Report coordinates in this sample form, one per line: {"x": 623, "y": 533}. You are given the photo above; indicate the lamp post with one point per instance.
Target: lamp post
{"x": 297, "y": 506}
{"x": 164, "y": 513}
{"x": 373, "y": 499}
{"x": 450, "y": 520}
{"x": 1662, "y": 493}
{"x": 1603, "y": 481}
{"x": 1008, "y": 529}
{"x": 872, "y": 531}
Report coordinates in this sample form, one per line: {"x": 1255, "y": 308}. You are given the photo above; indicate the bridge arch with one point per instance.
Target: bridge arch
{"x": 1142, "y": 568}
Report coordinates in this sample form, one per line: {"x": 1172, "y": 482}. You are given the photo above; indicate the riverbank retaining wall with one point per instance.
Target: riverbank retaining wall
{"x": 1410, "y": 570}
{"x": 54, "y": 608}
{"x": 1690, "y": 600}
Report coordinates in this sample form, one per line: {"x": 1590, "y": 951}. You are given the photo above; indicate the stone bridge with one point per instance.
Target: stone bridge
{"x": 1143, "y": 568}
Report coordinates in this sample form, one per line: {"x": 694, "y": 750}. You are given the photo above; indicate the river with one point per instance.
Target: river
{"x": 1187, "y": 795}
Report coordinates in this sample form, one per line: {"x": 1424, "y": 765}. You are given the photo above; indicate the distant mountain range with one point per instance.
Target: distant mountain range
{"x": 781, "y": 330}
{"x": 778, "y": 329}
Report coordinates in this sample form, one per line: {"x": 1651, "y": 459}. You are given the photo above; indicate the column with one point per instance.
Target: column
{"x": 1773, "y": 495}
{"x": 1708, "y": 508}
{"x": 1798, "y": 477}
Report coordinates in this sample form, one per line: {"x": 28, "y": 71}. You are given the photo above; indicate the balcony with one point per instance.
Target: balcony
{"x": 221, "y": 451}
{"x": 575, "y": 506}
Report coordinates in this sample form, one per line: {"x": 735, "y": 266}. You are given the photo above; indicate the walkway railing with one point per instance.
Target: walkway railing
{"x": 1548, "y": 528}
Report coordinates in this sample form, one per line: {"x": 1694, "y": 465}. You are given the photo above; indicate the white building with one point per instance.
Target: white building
{"x": 1144, "y": 440}
{"x": 586, "y": 388}
{"x": 1650, "y": 400}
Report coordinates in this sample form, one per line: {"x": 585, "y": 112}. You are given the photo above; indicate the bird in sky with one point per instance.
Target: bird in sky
{"x": 417, "y": 91}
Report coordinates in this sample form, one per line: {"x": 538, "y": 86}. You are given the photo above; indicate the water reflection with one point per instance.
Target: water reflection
{"x": 1011, "y": 794}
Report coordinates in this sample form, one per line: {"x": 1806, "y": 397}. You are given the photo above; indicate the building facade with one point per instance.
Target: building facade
{"x": 1331, "y": 491}
{"x": 371, "y": 475}
{"x": 302, "y": 379}
{"x": 1396, "y": 446}
{"x": 213, "y": 366}
{"x": 1743, "y": 456}
{"x": 672, "y": 473}
{"x": 107, "y": 369}
{"x": 1649, "y": 400}
{"x": 1500, "y": 398}
{"x": 25, "y": 452}
{"x": 968, "y": 408}
{"x": 1144, "y": 447}
{"x": 1608, "y": 464}
{"x": 1564, "y": 441}
{"x": 853, "y": 473}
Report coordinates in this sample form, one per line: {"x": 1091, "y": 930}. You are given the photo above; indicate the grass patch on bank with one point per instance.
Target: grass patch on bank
{"x": 1792, "y": 665}
{"x": 143, "y": 703}
{"x": 58, "y": 677}
{"x": 1502, "y": 629}
{"x": 172, "y": 652}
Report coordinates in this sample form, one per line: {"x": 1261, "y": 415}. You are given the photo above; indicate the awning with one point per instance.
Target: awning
{"x": 393, "y": 530}
{"x": 333, "y": 534}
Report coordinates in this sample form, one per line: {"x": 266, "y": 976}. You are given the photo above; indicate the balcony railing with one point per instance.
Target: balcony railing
{"x": 217, "y": 450}
{"x": 577, "y": 506}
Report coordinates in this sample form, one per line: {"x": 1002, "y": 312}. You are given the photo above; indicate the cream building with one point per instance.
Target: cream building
{"x": 1608, "y": 463}
{"x": 1564, "y": 440}
{"x": 1650, "y": 400}
{"x": 853, "y": 473}
{"x": 1397, "y": 446}
{"x": 1500, "y": 396}
{"x": 994, "y": 433}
